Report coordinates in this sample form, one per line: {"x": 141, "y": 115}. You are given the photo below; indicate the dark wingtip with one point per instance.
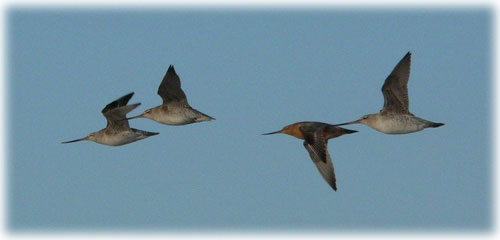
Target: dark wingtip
{"x": 120, "y": 102}
{"x": 151, "y": 133}
{"x": 171, "y": 69}
{"x": 407, "y": 56}
{"x": 126, "y": 98}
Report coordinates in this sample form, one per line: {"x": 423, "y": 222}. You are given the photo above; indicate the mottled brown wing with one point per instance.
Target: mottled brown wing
{"x": 170, "y": 88}
{"x": 120, "y": 102}
{"x": 314, "y": 137}
{"x": 395, "y": 88}
{"x": 324, "y": 165}
{"x": 316, "y": 145}
{"x": 117, "y": 110}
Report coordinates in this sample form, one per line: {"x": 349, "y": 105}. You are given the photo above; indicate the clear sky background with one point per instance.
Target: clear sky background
{"x": 255, "y": 71}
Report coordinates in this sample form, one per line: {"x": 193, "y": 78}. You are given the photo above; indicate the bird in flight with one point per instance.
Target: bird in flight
{"x": 316, "y": 136}
{"x": 117, "y": 131}
{"x": 395, "y": 117}
{"x": 175, "y": 109}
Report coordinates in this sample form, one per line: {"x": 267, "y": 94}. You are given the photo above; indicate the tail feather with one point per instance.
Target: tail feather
{"x": 210, "y": 118}
{"x": 145, "y": 133}
{"x": 150, "y": 133}
{"x": 203, "y": 117}
{"x": 348, "y": 131}
{"x": 435, "y": 125}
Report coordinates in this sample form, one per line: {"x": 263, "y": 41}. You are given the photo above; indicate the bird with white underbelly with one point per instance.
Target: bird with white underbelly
{"x": 395, "y": 117}
{"x": 117, "y": 131}
{"x": 175, "y": 109}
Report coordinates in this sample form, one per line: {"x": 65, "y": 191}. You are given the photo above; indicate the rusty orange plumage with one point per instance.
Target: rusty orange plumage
{"x": 316, "y": 136}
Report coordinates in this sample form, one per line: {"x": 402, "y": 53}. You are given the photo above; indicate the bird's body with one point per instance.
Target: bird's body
{"x": 395, "y": 117}
{"x": 316, "y": 136}
{"x": 118, "y": 138}
{"x": 176, "y": 115}
{"x": 175, "y": 109}
{"x": 117, "y": 131}
{"x": 399, "y": 123}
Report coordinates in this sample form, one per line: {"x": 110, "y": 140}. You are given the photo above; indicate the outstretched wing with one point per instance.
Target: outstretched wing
{"x": 316, "y": 144}
{"x": 116, "y": 112}
{"x": 395, "y": 88}
{"x": 170, "y": 88}
{"x": 324, "y": 165}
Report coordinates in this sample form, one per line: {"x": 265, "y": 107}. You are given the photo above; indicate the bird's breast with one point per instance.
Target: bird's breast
{"x": 295, "y": 132}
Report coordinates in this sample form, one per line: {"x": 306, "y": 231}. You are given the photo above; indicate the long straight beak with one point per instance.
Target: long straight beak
{"x": 77, "y": 140}
{"x": 138, "y": 116}
{"x": 273, "y": 132}
{"x": 347, "y": 123}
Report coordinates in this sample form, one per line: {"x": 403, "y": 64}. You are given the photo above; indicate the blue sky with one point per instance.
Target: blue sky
{"x": 255, "y": 71}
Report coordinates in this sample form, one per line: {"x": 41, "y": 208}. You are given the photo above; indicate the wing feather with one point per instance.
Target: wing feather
{"x": 316, "y": 144}
{"x": 170, "y": 88}
{"x": 324, "y": 165}
{"x": 116, "y": 111}
{"x": 395, "y": 88}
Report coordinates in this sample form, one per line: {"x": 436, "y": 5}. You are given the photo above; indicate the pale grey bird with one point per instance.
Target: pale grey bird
{"x": 175, "y": 109}
{"x": 316, "y": 136}
{"x": 117, "y": 131}
{"x": 395, "y": 117}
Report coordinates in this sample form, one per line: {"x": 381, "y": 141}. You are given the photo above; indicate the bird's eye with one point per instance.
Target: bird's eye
{"x": 365, "y": 117}
{"x": 148, "y": 111}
